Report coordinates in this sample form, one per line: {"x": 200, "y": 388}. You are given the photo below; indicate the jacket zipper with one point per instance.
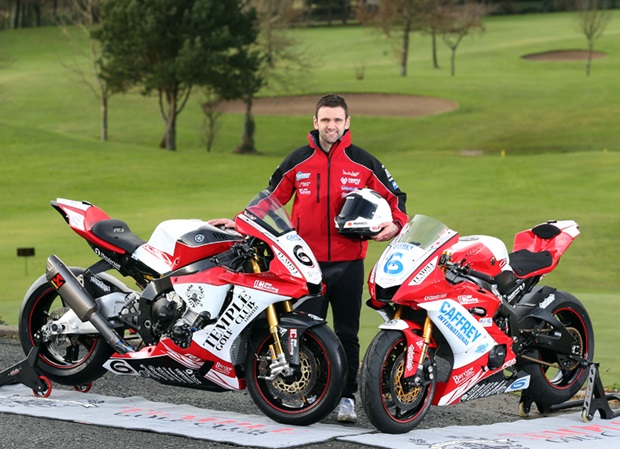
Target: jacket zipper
{"x": 329, "y": 228}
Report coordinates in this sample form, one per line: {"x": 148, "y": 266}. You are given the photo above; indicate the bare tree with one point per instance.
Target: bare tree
{"x": 86, "y": 13}
{"x": 460, "y": 20}
{"x": 209, "y": 106}
{"x": 282, "y": 62}
{"x": 432, "y": 20}
{"x": 592, "y": 20}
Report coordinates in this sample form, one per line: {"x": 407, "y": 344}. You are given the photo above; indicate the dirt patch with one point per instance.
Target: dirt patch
{"x": 563, "y": 55}
{"x": 359, "y": 104}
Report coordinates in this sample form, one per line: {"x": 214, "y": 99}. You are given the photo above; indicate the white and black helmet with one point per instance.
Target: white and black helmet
{"x": 362, "y": 213}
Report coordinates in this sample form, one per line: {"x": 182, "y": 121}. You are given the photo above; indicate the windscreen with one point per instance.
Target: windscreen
{"x": 423, "y": 231}
{"x": 269, "y": 214}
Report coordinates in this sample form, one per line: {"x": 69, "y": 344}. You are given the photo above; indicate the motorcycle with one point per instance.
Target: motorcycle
{"x": 214, "y": 311}
{"x": 463, "y": 319}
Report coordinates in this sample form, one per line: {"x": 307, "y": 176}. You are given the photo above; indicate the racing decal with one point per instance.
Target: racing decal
{"x": 113, "y": 264}
{"x": 227, "y": 370}
{"x": 519, "y": 384}
{"x": 58, "y": 281}
{"x": 410, "y": 358}
{"x": 240, "y": 310}
{"x": 464, "y": 376}
{"x": 393, "y": 265}
{"x": 301, "y": 256}
{"x": 492, "y": 388}
{"x": 265, "y": 286}
{"x": 120, "y": 367}
{"x": 486, "y": 322}
{"x": 467, "y": 299}
{"x": 194, "y": 295}
{"x": 99, "y": 283}
{"x": 457, "y": 323}
{"x": 548, "y": 300}
{"x": 424, "y": 272}
{"x": 301, "y": 175}
{"x": 292, "y": 342}
{"x": 287, "y": 263}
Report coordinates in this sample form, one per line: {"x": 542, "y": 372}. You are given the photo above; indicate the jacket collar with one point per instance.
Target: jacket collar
{"x": 344, "y": 142}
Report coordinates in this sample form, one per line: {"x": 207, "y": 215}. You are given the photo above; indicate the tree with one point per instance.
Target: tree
{"x": 279, "y": 61}
{"x": 592, "y": 21}
{"x": 393, "y": 17}
{"x": 460, "y": 20}
{"x": 85, "y": 18}
{"x": 169, "y": 46}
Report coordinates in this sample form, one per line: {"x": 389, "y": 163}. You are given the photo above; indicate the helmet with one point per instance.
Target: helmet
{"x": 362, "y": 213}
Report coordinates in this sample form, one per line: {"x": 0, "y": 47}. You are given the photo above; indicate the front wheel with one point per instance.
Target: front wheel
{"x": 393, "y": 403}
{"x": 314, "y": 389}
{"x": 66, "y": 359}
{"x": 552, "y": 383}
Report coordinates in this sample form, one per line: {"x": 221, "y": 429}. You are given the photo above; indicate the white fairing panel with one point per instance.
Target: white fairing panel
{"x": 465, "y": 335}
{"x": 158, "y": 252}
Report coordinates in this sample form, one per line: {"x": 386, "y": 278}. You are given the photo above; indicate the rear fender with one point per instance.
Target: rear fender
{"x": 535, "y": 307}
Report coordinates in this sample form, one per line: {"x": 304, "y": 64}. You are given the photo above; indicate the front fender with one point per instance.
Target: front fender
{"x": 291, "y": 327}
{"x": 415, "y": 342}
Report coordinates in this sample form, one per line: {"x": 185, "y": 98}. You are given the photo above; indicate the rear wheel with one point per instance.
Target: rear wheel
{"x": 554, "y": 378}
{"x": 393, "y": 403}
{"x": 68, "y": 359}
{"x": 314, "y": 389}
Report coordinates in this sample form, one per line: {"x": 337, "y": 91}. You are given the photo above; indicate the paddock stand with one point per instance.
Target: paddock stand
{"x": 25, "y": 372}
{"x": 595, "y": 400}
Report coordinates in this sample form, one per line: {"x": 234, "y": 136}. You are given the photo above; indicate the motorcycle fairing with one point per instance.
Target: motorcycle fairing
{"x": 467, "y": 338}
{"x": 549, "y": 240}
{"x": 170, "y": 365}
{"x": 81, "y": 216}
{"x": 176, "y": 243}
{"x": 293, "y": 255}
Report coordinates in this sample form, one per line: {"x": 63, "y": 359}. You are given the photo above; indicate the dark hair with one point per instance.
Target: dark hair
{"x": 331, "y": 101}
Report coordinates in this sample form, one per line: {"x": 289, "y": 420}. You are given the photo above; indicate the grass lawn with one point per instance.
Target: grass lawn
{"x": 558, "y": 129}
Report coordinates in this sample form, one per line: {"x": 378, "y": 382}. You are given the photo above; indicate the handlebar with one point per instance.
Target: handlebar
{"x": 465, "y": 269}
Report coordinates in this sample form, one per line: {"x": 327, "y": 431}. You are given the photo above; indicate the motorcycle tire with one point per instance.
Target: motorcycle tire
{"x": 548, "y": 385}
{"x": 66, "y": 359}
{"x": 392, "y": 403}
{"x": 313, "y": 391}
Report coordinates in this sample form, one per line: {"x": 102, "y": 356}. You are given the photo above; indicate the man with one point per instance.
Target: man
{"x": 319, "y": 175}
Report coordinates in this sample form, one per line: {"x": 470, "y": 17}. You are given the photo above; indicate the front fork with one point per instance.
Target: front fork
{"x": 279, "y": 364}
{"x": 427, "y": 333}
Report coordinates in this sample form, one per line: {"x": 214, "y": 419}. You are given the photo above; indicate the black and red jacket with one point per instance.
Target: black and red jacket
{"x": 320, "y": 181}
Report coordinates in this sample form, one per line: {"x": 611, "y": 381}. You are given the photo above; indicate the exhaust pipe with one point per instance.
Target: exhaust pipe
{"x": 83, "y": 304}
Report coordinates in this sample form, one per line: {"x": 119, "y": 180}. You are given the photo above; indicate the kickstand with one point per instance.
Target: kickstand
{"x": 25, "y": 373}
{"x": 595, "y": 400}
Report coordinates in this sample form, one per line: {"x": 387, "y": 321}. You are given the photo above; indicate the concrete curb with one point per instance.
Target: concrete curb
{"x": 7, "y": 331}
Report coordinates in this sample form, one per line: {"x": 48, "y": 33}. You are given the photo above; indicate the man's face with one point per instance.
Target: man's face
{"x": 331, "y": 123}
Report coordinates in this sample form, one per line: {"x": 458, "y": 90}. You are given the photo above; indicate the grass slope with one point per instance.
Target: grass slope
{"x": 557, "y": 127}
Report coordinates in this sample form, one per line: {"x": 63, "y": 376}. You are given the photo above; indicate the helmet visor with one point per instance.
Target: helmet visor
{"x": 357, "y": 206}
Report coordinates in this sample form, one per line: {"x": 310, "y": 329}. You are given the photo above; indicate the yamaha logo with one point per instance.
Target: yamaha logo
{"x": 199, "y": 238}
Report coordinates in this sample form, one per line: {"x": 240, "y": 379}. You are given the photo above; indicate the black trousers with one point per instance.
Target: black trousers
{"x": 345, "y": 284}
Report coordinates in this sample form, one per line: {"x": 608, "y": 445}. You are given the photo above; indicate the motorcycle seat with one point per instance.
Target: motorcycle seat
{"x": 117, "y": 233}
{"x": 524, "y": 261}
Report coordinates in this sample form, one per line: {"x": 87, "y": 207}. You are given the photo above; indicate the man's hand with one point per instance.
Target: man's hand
{"x": 222, "y": 223}
{"x": 390, "y": 229}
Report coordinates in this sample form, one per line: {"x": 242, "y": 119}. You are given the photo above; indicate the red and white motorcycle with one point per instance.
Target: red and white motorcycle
{"x": 465, "y": 320}
{"x": 215, "y": 311}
